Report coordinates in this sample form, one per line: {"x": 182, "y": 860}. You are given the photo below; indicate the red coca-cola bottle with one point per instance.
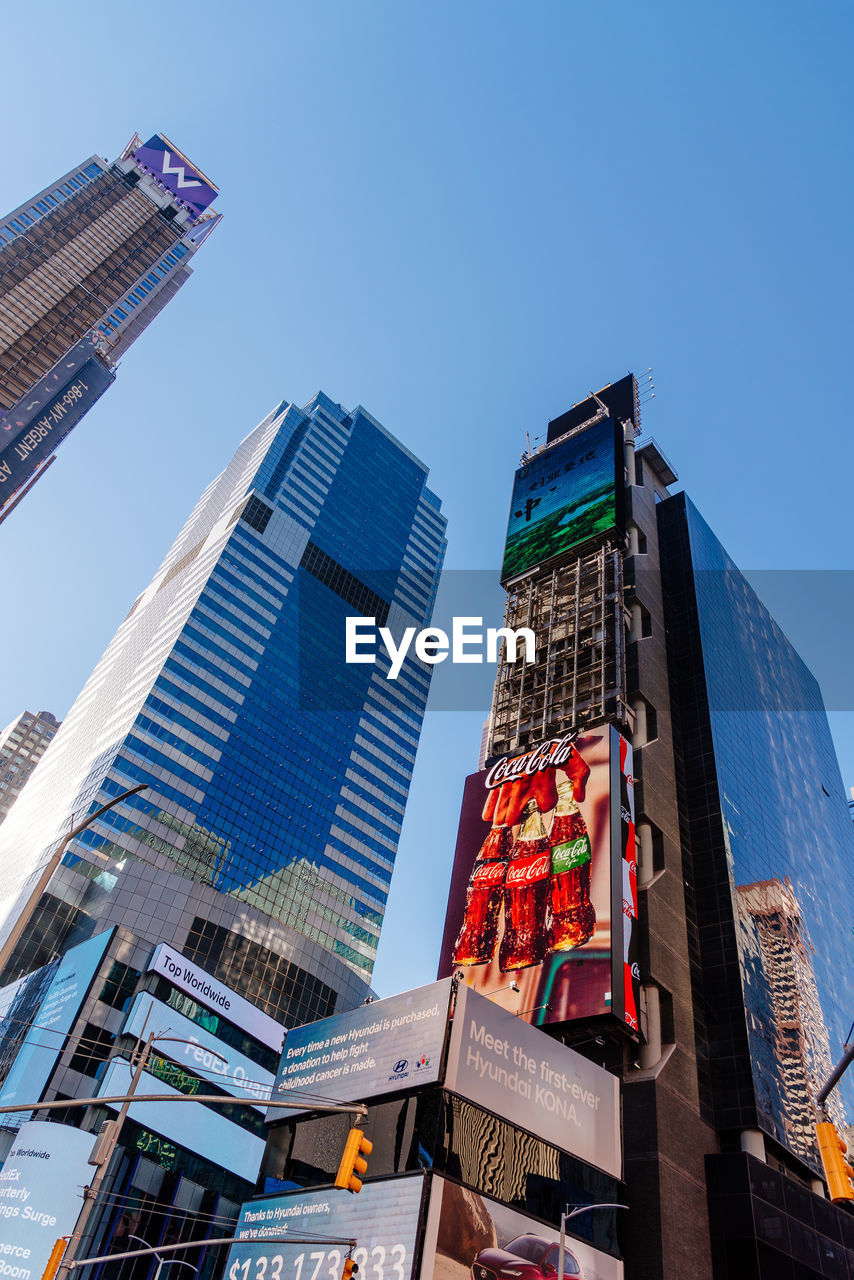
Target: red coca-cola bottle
{"x": 479, "y": 932}
{"x": 526, "y": 895}
{"x": 573, "y": 916}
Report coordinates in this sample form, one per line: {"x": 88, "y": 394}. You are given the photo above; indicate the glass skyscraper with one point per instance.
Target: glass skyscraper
{"x": 85, "y": 266}
{"x": 772, "y": 848}
{"x": 277, "y": 774}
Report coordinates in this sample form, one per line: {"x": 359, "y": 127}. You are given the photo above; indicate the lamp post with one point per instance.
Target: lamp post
{"x": 164, "y": 1262}
{"x": 564, "y": 1219}
{"x": 50, "y": 866}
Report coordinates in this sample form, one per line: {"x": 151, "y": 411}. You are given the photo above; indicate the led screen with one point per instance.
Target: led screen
{"x": 382, "y": 1219}
{"x": 377, "y": 1048}
{"x": 471, "y": 1235}
{"x": 63, "y": 997}
{"x": 534, "y": 1082}
{"x": 542, "y": 909}
{"x": 563, "y": 497}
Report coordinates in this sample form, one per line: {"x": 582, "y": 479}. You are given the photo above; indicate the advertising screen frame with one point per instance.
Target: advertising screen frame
{"x": 556, "y": 464}
{"x": 544, "y": 993}
{"x": 390, "y": 1044}
{"x": 368, "y": 1218}
{"x": 481, "y": 1214}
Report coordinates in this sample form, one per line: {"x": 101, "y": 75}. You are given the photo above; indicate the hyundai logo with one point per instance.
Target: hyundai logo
{"x": 400, "y": 1066}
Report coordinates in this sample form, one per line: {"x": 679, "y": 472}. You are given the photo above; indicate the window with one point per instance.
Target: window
{"x": 93, "y": 1048}
{"x": 120, "y": 985}
{"x": 257, "y": 514}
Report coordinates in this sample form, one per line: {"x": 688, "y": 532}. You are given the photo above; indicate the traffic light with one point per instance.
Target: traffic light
{"x": 836, "y": 1170}
{"x": 352, "y": 1164}
{"x": 350, "y": 1269}
{"x": 55, "y": 1258}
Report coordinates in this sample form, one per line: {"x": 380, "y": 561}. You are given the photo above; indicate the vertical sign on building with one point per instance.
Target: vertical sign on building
{"x": 543, "y": 892}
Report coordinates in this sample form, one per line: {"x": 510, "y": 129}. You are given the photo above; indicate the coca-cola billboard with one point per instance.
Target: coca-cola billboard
{"x": 542, "y": 909}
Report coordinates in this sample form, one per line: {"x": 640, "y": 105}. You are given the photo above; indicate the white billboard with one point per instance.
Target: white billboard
{"x": 198, "y": 1050}
{"x": 217, "y": 996}
{"x": 390, "y": 1044}
{"x": 193, "y": 1125}
{"x": 382, "y": 1219}
{"x": 516, "y": 1071}
{"x": 41, "y": 1194}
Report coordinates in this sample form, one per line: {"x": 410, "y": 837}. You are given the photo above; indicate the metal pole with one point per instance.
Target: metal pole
{"x": 90, "y": 1195}
{"x": 52, "y": 863}
{"x": 565, "y": 1217}
{"x": 835, "y": 1076}
{"x": 215, "y": 1240}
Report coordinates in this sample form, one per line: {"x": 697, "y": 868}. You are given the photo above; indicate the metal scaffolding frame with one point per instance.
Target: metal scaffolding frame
{"x": 577, "y": 613}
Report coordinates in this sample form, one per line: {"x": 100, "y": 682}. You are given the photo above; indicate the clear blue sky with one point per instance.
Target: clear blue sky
{"x": 463, "y": 216}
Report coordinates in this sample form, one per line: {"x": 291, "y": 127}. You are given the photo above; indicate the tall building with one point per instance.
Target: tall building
{"x": 22, "y": 745}
{"x": 85, "y": 266}
{"x": 691, "y": 883}
{"x": 277, "y": 774}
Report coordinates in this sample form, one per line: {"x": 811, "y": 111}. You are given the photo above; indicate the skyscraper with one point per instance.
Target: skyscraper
{"x": 277, "y": 773}
{"x": 693, "y": 916}
{"x": 22, "y": 745}
{"x": 85, "y": 266}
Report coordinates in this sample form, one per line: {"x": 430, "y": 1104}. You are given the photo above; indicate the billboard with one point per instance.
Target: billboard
{"x": 542, "y": 909}
{"x": 174, "y": 172}
{"x": 565, "y": 496}
{"x": 199, "y": 1051}
{"x": 377, "y": 1048}
{"x": 472, "y": 1237}
{"x": 41, "y": 1194}
{"x": 51, "y": 1022}
{"x": 193, "y": 1125}
{"x": 66, "y": 406}
{"x": 383, "y": 1219}
{"x": 530, "y": 1080}
{"x": 216, "y": 995}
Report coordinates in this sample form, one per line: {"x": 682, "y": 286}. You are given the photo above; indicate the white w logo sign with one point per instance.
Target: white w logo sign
{"x": 178, "y": 171}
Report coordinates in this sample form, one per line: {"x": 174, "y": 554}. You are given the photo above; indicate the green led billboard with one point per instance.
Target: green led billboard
{"x": 563, "y": 497}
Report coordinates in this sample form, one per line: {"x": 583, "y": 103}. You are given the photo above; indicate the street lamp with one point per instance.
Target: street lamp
{"x": 50, "y": 866}
{"x": 164, "y": 1262}
{"x": 573, "y": 1213}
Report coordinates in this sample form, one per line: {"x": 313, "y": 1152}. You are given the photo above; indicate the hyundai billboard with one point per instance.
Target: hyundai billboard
{"x": 565, "y": 496}
{"x": 542, "y": 910}
{"x": 377, "y": 1048}
{"x": 382, "y": 1220}
{"x": 472, "y": 1237}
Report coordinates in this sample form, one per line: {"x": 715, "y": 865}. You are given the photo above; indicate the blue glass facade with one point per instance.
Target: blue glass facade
{"x": 771, "y": 844}
{"x": 277, "y": 773}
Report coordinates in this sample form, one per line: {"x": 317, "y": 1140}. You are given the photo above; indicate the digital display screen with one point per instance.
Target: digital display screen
{"x": 563, "y": 497}
{"x": 377, "y": 1048}
{"x": 542, "y": 910}
{"x": 472, "y": 1235}
{"x": 382, "y": 1220}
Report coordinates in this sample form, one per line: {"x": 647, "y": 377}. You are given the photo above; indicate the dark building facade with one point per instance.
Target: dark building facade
{"x": 744, "y": 850}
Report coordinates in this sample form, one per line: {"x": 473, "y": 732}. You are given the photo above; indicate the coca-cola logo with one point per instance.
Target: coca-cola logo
{"x": 628, "y": 910}
{"x": 636, "y": 971}
{"x": 633, "y": 866}
{"x": 548, "y": 755}
{"x": 527, "y": 870}
{"x": 632, "y": 1021}
{"x": 488, "y": 873}
{"x": 625, "y": 815}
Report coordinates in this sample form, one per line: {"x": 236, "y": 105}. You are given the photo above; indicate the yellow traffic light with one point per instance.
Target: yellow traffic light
{"x": 350, "y": 1269}
{"x": 352, "y": 1164}
{"x": 837, "y": 1171}
{"x": 55, "y": 1258}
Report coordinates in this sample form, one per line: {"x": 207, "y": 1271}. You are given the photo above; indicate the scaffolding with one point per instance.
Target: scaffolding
{"x": 577, "y": 613}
